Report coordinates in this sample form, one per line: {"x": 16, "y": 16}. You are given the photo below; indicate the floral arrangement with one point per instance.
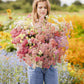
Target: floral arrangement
{"x": 42, "y": 44}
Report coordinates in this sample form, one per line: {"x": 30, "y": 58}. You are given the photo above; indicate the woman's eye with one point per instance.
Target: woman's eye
{"x": 45, "y": 7}
{"x": 40, "y": 7}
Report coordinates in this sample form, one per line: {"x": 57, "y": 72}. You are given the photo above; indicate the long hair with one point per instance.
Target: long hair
{"x": 34, "y": 11}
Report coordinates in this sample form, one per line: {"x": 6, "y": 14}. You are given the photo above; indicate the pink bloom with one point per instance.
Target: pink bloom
{"x": 56, "y": 52}
{"x": 24, "y": 43}
{"x": 41, "y": 19}
{"x": 32, "y": 32}
{"x": 41, "y": 58}
{"x": 14, "y": 32}
{"x": 32, "y": 40}
{"x": 25, "y": 50}
{"x": 16, "y": 40}
{"x": 37, "y": 59}
{"x": 29, "y": 15}
{"x": 29, "y": 51}
{"x": 57, "y": 33}
{"x": 53, "y": 43}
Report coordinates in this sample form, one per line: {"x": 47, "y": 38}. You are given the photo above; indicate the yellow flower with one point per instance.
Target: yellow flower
{"x": 69, "y": 64}
{"x": 30, "y": 47}
{"x": 5, "y": 44}
{"x": 21, "y": 41}
{"x": 8, "y": 10}
{"x": 27, "y": 38}
{"x": 69, "y": 68}
{"x": 72, "y": 71}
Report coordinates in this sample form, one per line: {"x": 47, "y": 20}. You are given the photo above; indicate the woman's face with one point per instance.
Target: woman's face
{"x": 42, "y": 9}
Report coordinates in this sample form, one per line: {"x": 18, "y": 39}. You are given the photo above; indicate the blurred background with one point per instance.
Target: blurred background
{"x": 71, "y": 70}
{"x": 25, "y": 6}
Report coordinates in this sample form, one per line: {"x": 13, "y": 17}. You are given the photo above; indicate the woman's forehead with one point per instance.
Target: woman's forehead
{"x": 42, "y": 3}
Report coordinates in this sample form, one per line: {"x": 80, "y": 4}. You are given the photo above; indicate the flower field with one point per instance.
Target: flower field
{"x": 14, "y": 71}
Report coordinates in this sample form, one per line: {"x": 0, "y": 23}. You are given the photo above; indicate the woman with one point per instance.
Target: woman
{"x": 38, "y": 75}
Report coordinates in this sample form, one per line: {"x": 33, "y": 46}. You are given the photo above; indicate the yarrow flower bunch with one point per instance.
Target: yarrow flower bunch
{"x": 42, "y": 44}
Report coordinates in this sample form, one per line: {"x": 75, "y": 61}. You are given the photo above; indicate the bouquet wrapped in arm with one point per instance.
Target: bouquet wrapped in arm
{"x": 42, "y": 44}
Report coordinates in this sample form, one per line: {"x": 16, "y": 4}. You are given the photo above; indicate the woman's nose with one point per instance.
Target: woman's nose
{"x": 42, "y": 8}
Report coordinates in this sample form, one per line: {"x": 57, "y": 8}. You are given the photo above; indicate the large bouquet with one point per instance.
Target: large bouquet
{"x": 42, "y": 44}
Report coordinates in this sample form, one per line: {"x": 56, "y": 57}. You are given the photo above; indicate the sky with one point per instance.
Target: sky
{"x": 68, "y": 2}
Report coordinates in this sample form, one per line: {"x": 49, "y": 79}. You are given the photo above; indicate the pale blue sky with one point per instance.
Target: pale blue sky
{"x": 68, "y": 2}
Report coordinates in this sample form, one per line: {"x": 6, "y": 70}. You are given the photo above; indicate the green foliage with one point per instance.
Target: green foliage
{"x": 78, "y": 3}
{"x": 1, "y": 27}
{"x": 10, "y": 48}
{"x": 79, "y": 30}
{"x": 30, "y": 1}
{"x": 72, "y": 8}
{"x": 56, "y": 2}
{"x": 4, "y": 6}
{"x": 65, "y": 5}
{"x": 27, "y": 7}
{"x": 0, "y": 1}
{"x": 16, "y": 5}
{"x": 82, "y": 7}
{"x": 55, "y": 7}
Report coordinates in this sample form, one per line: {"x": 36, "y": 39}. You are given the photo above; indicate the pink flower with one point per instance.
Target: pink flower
{"x": 32, "y": 40}
{"x": 25, "y": 50}
{"x": 15, "y": 32}
{"x": 57, "y": 33}
{"x": 49, "y": 40}
{"x": 24, "y": 43}
{"x": 16, "y": 40}
{"x": 37, "y": 59}
{"x": 56, "y": 52}
{"x": 53, "y": 43}
{"x": 29, "y": 51}
{"x": 41, "y": 19}
{"x": 32, "y": 32}
{"x": 41, "y": 58}
{"x": 29, "y": 15}
{"x": 41, "y": 38}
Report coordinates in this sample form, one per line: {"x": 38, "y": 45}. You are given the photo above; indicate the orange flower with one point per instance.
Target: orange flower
{"x": 0, "y": 25}
{"x": 10, "y": 17}
{"x": 6, "y": 57}
{"x": 8, "y": 10}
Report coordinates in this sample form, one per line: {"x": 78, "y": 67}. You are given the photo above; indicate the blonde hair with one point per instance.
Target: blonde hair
{"x": 34, "y": 12}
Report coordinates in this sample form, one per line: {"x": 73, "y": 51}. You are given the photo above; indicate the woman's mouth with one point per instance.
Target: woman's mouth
{"x": 43, "y": 13}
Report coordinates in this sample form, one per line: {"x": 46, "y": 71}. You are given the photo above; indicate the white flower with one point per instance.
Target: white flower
{"x": 71, "y": 24}
{"x": 56, "y": 28}
{"x": 56, "y": 20}
{"x": 10, "y": 26}
{"x": 19, "y": 17}
{"x": 60, "y": 15}
{"x": 56, "y": 16}
{"x": 29, "y": 41}
{"x": 40, "y": 52}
